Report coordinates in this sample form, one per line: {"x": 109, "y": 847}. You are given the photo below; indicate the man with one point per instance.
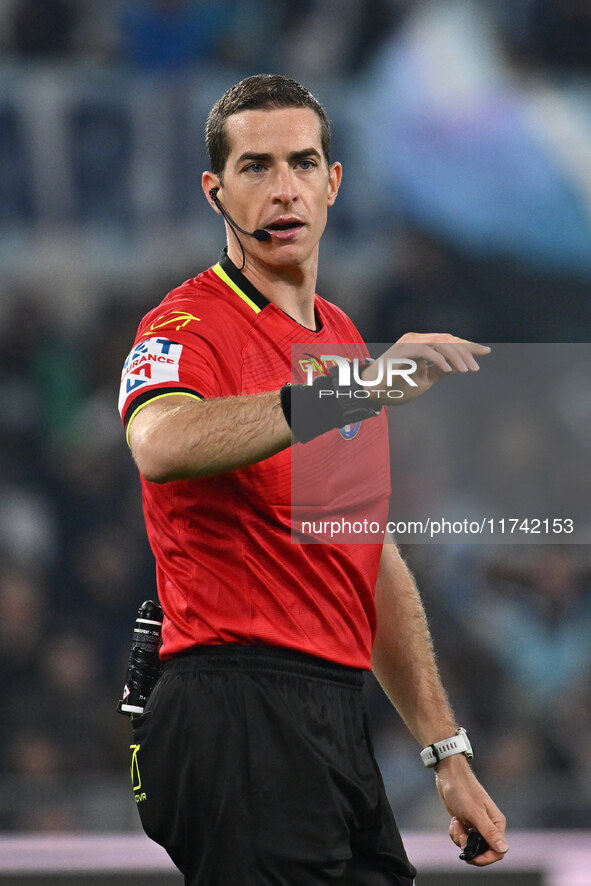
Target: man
{"x": 253, "y": 764}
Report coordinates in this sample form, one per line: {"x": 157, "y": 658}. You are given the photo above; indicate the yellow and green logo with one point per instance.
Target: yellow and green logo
{"x": 136, "y": 779}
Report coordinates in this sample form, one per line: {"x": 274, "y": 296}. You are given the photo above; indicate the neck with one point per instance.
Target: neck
{"x": 290, "y": 287}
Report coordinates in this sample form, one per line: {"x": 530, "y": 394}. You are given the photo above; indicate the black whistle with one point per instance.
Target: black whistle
{"x": 476, "y": 845}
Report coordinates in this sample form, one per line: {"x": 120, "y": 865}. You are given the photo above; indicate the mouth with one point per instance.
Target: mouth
{"x": 285, "y": 230}
{"x": 284, "y": 226}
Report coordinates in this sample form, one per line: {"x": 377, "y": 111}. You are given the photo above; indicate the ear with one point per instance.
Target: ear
{"x": 208, "y": 181}
{"x": 335, "y": 174}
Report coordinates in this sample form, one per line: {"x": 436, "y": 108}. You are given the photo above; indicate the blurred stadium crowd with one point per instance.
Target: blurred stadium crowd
{"x": 465, "y": 132}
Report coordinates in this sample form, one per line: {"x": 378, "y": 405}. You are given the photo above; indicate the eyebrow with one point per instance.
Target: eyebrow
{"x": 294, "y": 156}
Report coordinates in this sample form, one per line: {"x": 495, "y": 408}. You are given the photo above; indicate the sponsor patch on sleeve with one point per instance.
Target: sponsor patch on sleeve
{"x": 151, "y": 362}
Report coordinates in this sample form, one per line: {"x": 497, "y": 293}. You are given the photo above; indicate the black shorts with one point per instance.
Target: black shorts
{"x": 253, "y": 766}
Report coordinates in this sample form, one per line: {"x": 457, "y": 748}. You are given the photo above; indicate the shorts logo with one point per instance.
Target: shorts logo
{"x": 136, "y": 779}
{"x": 178, "y": 319}
{"x": 150, "y": 362}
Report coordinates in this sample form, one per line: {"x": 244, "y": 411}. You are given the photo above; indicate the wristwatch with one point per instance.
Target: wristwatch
{"x": 457, "y": 744}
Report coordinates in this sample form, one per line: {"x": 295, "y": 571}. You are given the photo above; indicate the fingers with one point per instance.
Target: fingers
{"x": 448, "y": 352}
{"x": 430, "y": 357}
{"x": 458, "y": 832}
{"x": 493, "y": 833}
{"x": 461, "y": 356}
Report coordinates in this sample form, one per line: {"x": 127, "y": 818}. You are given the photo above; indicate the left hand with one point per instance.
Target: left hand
{"x": 471, "y": 808}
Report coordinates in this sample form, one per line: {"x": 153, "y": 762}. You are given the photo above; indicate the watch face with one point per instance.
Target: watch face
{"x": 462, "y": 732}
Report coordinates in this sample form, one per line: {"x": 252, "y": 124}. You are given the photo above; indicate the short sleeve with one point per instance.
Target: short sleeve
{"x": 158, "y": 366}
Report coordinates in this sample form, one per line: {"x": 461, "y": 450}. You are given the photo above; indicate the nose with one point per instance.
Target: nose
{"x": 284, "y": 185}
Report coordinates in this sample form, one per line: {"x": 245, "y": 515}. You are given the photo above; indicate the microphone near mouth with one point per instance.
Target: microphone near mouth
{"x": 259, "y": 234}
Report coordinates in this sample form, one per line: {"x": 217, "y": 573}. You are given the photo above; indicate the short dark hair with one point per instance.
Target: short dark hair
{"x": 261, "y": 91}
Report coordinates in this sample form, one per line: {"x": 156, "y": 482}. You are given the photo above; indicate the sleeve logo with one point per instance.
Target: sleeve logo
{"x": 178, "y": 319}
{"x": 152, "y": 362}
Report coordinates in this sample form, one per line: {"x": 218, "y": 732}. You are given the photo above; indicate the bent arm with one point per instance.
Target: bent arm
{"x": 178, "y": 437}
{"x": 403, "y": 660}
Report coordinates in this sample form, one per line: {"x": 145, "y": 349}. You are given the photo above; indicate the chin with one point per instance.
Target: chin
{"x": 290, "y": 255}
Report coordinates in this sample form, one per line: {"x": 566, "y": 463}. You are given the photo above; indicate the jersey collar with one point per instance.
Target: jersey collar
{"x": 227, "y": 271}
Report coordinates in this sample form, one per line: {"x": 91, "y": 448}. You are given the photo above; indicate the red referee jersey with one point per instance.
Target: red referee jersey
{"x": 228, "y": 570}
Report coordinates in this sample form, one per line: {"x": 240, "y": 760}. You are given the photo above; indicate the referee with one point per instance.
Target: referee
{"x": 252, "y": 763}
